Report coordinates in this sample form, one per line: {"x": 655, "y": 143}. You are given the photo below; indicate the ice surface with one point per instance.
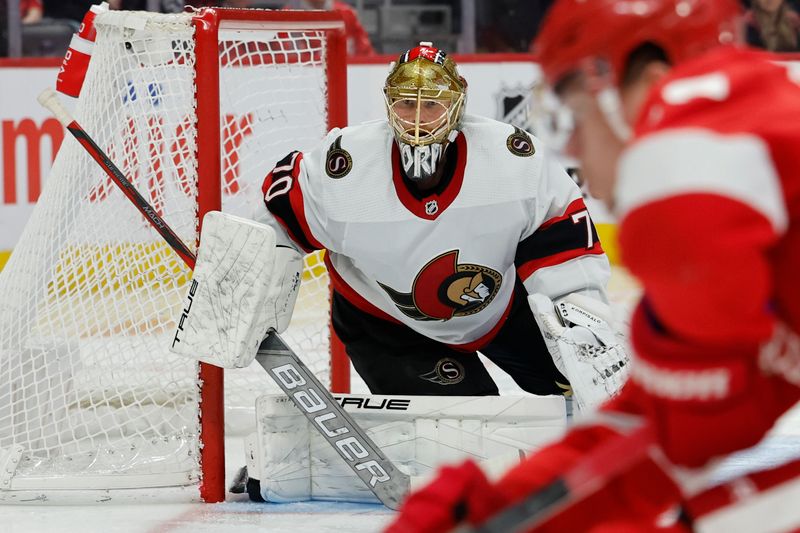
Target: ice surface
{"x": 240, "y": 515}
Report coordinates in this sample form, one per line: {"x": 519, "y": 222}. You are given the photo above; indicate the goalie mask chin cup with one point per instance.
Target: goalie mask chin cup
{"x": 424, "y": 96}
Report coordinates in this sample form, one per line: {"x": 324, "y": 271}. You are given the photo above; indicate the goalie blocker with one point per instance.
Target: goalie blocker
{"x": 288, "y": 460}
{"x": 243, "y": 285}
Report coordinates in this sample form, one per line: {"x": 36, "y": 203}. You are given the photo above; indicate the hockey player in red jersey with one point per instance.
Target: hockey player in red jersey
{"x": 693, "y": 141}
{"x": 449, "y": 233}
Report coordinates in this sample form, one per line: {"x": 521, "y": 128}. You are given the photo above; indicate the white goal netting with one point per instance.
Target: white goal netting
{"x": 90, "y": 397}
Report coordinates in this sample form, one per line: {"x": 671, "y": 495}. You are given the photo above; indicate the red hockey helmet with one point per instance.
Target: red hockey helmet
{"x": 609, "y": 30}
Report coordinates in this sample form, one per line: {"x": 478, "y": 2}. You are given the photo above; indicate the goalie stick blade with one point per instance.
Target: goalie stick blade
{"x": 360, "y": 453}
{"x": 585, "y": 478}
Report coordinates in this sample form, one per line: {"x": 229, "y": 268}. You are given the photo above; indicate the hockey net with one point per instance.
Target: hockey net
{"x": 195, "y": 109}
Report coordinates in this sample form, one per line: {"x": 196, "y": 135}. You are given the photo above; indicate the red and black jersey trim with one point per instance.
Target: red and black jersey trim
{"x": 353, "y": 297}
{"x": 558, "y": 240}
{"x": 488, "y": 337}
{"x": 283, "y": 197}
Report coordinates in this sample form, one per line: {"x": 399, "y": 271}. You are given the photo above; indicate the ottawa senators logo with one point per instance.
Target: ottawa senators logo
{"x": 519, "y": 143}
{"x": 338, "y": 162}
{"x": 448, "y": 371}
{"x": 444, "y": 289}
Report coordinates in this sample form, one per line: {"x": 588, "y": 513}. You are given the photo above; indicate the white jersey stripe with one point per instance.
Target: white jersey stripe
{"x": 695, "y": 161}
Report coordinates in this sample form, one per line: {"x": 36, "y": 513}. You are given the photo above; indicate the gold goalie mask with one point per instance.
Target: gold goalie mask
{"x": 424, "y": 96}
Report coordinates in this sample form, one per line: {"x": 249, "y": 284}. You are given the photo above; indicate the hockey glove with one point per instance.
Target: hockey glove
{"x": 458, "y": 494}
{"x": 585, "y": 348}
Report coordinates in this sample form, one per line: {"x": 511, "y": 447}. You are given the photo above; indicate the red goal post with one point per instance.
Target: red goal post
{"x": 207, "y": 24}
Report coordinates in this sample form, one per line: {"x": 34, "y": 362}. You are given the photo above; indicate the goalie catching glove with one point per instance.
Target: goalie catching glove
{"x": 585, "y": 348}
{"x": 243, "y": 286}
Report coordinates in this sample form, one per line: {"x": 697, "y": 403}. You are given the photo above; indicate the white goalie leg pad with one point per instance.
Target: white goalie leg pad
{"x": 418, "y": 433}
{"x": 242, "y": 286}
{"x": 579, "y": 333}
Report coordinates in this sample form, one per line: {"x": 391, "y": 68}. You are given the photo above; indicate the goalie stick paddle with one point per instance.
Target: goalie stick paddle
{"x": 588, "y": 476}
{"x": 361, "y": 454}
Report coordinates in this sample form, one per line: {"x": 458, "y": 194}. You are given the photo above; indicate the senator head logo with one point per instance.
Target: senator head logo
{"x": 444, "y": 289}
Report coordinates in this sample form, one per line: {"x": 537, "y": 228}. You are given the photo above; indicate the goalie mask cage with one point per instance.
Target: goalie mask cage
{"x": 195, "y": 109}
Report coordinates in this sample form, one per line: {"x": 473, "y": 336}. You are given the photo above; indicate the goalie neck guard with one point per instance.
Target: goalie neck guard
{"x": 424, "y": 95}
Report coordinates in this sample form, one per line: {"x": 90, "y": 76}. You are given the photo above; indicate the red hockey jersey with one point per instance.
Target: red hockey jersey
{"x": 712, "y": 179}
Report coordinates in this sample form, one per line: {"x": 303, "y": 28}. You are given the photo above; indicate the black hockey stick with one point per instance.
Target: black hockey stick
{"x": 588, "y": 476}
{"x": 360, "y": 453}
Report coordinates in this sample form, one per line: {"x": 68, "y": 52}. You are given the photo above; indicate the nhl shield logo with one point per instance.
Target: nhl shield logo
{"x": 338, "y": 162}
{"x": 431, "y": 207}
{"x": 514, "y": 104}
{"x": 536, "y": 109}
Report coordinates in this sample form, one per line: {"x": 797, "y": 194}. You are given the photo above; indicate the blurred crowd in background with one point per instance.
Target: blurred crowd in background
{"x": 44, "y": 27}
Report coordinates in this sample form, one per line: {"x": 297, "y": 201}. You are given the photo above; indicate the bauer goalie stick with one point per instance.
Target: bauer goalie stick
{"x": 361, "y": 454}
{"x": 588, "y": 476}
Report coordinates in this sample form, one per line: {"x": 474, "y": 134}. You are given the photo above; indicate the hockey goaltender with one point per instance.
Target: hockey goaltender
{"x": 446, "y": 234}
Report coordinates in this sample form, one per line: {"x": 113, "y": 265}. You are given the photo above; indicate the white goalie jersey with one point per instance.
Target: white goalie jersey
{"x": 443, "y": 262}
